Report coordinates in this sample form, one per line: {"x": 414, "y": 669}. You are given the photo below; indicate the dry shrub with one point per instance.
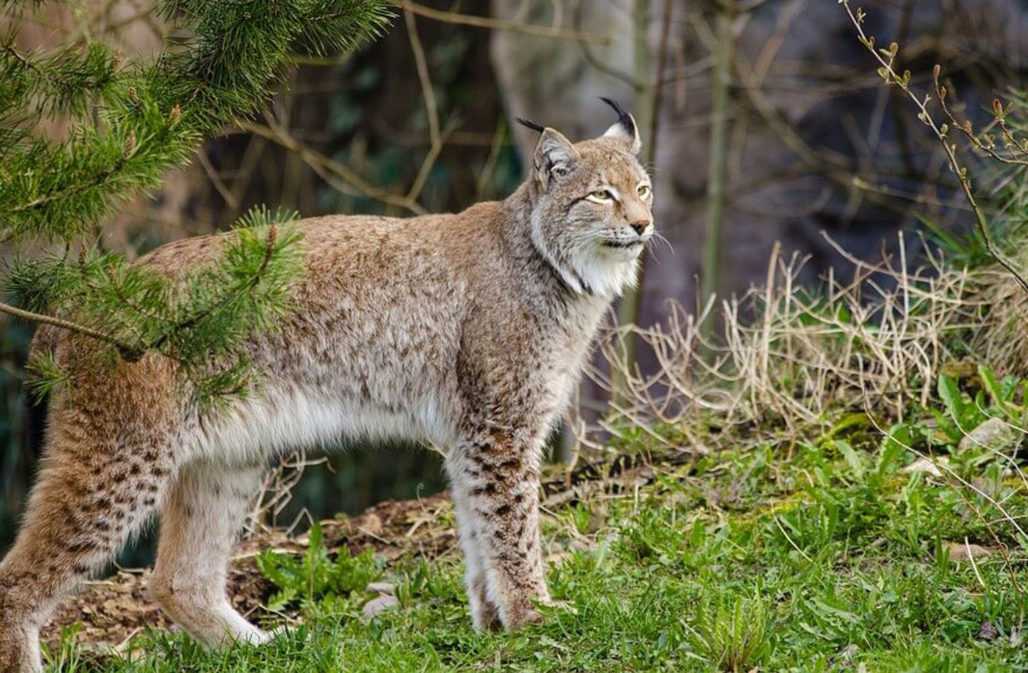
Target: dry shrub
{"x": 791, "y": 361}
{"x": 1001, "y": 340}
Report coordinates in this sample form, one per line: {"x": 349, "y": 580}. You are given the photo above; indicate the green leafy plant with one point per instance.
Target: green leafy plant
{"x": 316, "y": 575}
{"x": 732, "y": 633}
{"x": 1004, "y": 399}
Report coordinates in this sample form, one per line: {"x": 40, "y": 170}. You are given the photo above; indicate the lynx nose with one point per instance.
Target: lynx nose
{"x": 640, "y": 226}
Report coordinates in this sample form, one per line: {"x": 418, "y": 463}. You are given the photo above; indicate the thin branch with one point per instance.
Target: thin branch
{"x": 607, "y": 69}
{"x": 219, "y": 184}
{"x": 489, "y": 169}
{"x": 325, "y": 166}
{"x": 427, "y": 92}
{"x": 426, "y": 166}
{"x": 127, "y": 351}
{"x": 988, "y": 146}
{"x": 631, "y": 304}
{"x": 889, "y": 74}
{"x": 435, "y": 136}
{"x": 718, "y": 165}
{"x": 499, "y": 24}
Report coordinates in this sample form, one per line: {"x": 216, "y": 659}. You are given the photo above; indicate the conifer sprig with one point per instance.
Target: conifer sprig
{"x": 64, "y": 81}
{"x": 198, "y": 317}
{"x": 152, "y": 117}
{"x": 131, "y": 123}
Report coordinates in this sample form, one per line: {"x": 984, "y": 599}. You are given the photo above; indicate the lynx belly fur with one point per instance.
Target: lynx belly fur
{"x": 468, "y": 331}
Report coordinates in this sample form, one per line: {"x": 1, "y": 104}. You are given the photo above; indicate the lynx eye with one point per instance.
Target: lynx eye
{"x": 645, "y": 191}
{"x": 601, "y": 196}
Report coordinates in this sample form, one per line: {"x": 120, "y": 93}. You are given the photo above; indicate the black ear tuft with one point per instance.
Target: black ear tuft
{"x": 539, "y": 128}
{"x": 624, "y": 118}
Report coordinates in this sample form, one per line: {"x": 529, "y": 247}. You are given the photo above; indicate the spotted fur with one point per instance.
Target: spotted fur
{"x": 465, "y": 330}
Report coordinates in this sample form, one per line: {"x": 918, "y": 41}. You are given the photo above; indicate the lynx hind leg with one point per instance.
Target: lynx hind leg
{"x": 497, "y": 477}
{"x": 200, "y": 520}
{"x": 92, "y": 494}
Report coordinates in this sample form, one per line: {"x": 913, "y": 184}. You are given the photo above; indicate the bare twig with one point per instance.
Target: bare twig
{"x": 431, "y": 109}
{"x": 651, "y": 98}
{"x": 427, "y": 92}
{"x": 130, "y": 352}
{"x": 330, "y": 169}
{"x": 628, "y": 78}
{"x": 219, "y": 184}
{"x": 886, "y": 59}
{"x": 717, "y": 174}
{"x": 499, "y": 24}
{"x": 986, "y": 146}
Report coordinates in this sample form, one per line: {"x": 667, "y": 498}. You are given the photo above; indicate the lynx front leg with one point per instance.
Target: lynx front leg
{"x": 484, "y": 614}
{"x": 496, "y": 481}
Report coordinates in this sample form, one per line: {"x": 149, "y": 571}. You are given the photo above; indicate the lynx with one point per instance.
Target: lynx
{"x": 465, "y": 330}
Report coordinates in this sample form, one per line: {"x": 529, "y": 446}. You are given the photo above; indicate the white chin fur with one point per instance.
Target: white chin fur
{"x": 592, "y": 268}
{"x": 607, "y": 271}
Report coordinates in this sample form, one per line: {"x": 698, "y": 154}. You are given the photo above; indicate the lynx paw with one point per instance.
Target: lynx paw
{"x": 522, "y": 617}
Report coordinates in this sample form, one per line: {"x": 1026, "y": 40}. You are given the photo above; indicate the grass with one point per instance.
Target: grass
{"x": 825, "y": 555}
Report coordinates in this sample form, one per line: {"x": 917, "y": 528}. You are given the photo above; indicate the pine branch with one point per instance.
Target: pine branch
{"x": 154, "y": 117}
{"x": 229, "y": 296}
{"x": 136, "y": 121}
{"x": 65, "y": 81}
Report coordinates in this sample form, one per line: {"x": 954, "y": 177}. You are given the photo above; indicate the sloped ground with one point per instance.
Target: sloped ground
{"x": 109, "y": 612}
{"x": 844, "y": 552}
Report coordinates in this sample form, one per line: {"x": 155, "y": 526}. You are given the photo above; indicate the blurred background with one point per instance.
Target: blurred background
{"x": 763, "y": 121}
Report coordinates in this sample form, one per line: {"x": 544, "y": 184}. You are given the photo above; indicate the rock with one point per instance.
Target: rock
{"x": 962, "y": 551}
{"x": 377, "y": 606}
{"x": 994, "y": 434}
{"x": 382, "y": 588}
{"x": 930, "y": 466}
{"x": 849, "y": 653}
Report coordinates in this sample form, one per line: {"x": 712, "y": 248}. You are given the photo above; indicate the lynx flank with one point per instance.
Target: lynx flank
{"x": 468, "y": 331}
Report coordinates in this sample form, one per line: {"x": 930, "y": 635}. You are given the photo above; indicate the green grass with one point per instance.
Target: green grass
{"x": 813, "y": 556}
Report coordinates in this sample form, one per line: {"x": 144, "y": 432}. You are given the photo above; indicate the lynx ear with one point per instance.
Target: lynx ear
{"x": 625, "y": 128}
{"x": 555, "y": 155}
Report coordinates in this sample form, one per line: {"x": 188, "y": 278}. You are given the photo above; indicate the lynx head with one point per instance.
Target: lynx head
{"x": 591, "y": 206}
